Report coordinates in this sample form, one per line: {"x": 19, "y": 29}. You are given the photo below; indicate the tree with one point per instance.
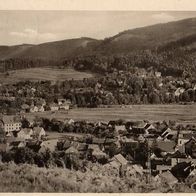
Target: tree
{"x": 25, "y": 123}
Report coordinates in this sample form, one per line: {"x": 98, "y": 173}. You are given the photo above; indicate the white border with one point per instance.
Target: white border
{"x": 141, "y": 5}
{"x": 136, "y": 5}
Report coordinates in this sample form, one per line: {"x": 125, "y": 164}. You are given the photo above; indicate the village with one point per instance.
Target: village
{"x": 137, "y": 86}
{"x": 155, "y": 151}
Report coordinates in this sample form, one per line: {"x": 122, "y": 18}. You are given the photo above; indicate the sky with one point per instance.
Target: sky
{"x": 34, "y": 27}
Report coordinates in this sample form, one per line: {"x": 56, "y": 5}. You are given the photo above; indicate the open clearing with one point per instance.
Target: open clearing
{"x": 43, "y": 73}
{"x": 180, "y": 113}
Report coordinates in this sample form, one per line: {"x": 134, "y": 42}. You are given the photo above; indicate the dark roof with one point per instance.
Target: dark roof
{"x": 166, "y": 146}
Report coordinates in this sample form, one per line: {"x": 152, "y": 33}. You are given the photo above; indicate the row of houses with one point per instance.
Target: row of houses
{"x": 41, "y": 106}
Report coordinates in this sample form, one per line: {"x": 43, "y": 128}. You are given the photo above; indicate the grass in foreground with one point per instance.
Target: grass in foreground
{"x": 29, "y": 178}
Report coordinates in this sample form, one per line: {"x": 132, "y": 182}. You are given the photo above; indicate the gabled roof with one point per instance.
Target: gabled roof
{"x": 120, "y": 127}
{"x": 166, "y": 129}
{"x": 178, "y": 154}
{"x": 119, "y": 158}
{"x": 138, "y": 169}
{"x": 10, "y": 119}
{"x": 25, "y": 106}
{"x": 168, "y": 176}
{"x": 166, "y": 146}
{"x": 191, "y": 140}
{"x": 186, "y": 136}
{"x": 37, "y": 130}
{"x": 71, "y": 150}
{"x": 26, "y": 131}
{"x": 53, "y": 105}
{"x": 50, "y": 144}
{"x": 93, "y": 146}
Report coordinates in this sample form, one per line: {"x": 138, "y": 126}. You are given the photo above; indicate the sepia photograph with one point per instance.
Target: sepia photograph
{"x": 97, "y": 101}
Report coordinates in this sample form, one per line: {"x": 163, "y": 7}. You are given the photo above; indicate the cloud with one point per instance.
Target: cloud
{"x": 33, "y": 34}
{"x": 163, "y": 17}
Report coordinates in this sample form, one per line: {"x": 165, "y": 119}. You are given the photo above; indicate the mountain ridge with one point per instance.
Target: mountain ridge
{"x": 143, "y": 38}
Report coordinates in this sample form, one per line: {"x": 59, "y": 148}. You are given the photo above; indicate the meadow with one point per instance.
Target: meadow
{"x": 180, "y": 113}
{"x": 43, "y": 73}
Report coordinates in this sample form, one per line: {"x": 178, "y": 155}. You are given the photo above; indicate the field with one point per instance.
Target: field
{"x": 180, "y": 113}
{"x": 36, "y": 74}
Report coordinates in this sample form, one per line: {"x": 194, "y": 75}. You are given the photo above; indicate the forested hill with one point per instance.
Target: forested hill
{"x": 148, "y": 37}
{"x": 168, "y": 47}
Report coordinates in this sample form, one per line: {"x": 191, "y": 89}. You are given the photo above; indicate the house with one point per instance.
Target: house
{"x": 185, "y": 137}
{"x": 166, "y": 146}
{"x": 25, "y": 107}
{"x": 39, "y": 132}
{"x": 191, "y": 179}
{"x": 33, "y": 109}
{"x": 99, "y": 141}
{"x": 81, "y": 147}
{"x": 163, "y": 168}
{"x": 179, "y": 91}
{"x": 71, "y": 151}
{"x": 169, "y": 134}
{"x": 166, "y": 177}
{"x": 119, "y": 160}
{"x": 25, "y": 133}
{"x": 150, "y": 128}
{"x": 40, "y": 102}
{"x": 10, "y": 123}
{"x": 54, "y": 107}
{"x": 138, "y": 127}
{"x": 99, "y": 154}
{"x": 157, "y": 74}
{"x": 190, "y": 147}
{"x": 61, "y": 101}
{"x": 48, "y": 145}
{"x": 175, "y": 161}
{"x": 64, "y": 106}
{"x": 119, "y": 128}
{"x": 40, "y": 108}
{"x": 128, "y": 142}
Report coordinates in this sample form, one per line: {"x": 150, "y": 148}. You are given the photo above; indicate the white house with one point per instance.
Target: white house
{"x": 64, "y": 106}
{"x": 54, "y": 107}
{"x": 33, "y": 109}
{"x": 40, "y": 108}
{"x": 25, "y": 133}
{"x": 10, "y": 123}
{"x": 179, "y": 91}
{"x": 39, "y": 132}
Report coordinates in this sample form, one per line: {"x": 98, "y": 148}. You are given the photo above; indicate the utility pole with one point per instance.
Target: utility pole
{"x": 149, "y": 164}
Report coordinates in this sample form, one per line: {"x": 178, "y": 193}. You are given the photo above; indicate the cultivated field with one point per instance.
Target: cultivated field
{"x": 36, "y": 74}
{"x": 180, "y": 113}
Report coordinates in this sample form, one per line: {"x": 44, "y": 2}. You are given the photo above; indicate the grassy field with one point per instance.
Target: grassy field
{"x": 180, "y": 113}
{"x": 46, "y": 73}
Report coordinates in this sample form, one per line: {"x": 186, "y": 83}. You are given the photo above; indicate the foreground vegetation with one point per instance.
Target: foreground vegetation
{"x": 29, "y": 178}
